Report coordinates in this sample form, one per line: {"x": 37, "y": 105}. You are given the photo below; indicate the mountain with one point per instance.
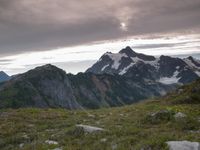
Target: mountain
{"x": 115, "y": 80}
{"x": 3, "y": 76}
{"x": 48, "y": 86}
{"x": 140, "y": 67}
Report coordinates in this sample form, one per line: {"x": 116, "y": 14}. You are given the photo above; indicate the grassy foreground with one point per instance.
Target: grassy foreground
{"x": 126, "y": 128}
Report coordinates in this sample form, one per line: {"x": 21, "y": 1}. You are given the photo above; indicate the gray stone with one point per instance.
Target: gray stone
{"x": 183, "y": 145}
{"x": 88, "y": 129}
{"x": 179, "y": 115}
{"x": 50, "y": 142}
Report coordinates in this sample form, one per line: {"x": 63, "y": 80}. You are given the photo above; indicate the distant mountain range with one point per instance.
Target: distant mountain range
{"x": 115, "y": 80}
{"x": 3, "y": 76}
{"x": 140, "y": 67}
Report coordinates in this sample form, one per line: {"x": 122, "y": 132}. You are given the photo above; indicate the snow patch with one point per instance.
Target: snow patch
{"x": 104, "y": 67}
{"x": 183, "y": 145}
{"x": 197, "y": 73}
{"x": 191, "y": 64}
{"x": 177, "y": 67}
{"x": 116, "y": 59}
{"x": 126, "y": 69}
{"x": 153, "y": 63}
{"x": 170, "y": 80}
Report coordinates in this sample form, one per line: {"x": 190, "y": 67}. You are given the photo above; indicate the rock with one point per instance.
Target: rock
{"x": 57, "y": 149}
{"x": 122, "y": 115}
{"x": 51, "y": 142}
{"x": 179, "y": 91}
{"x": 114, "y": 146}
{"x": 31, "y": 125}
{"x": 162, "y": 115}
{"x": 183, "y": 145}
{"x": 103, "y": 140}
{"x": 91, "y": 116}
{"x": 88, "y": 129}
{"x": 21, "y": 145}
{"x": 25, "y": 136}
{"x": 179, "y": 115}
{"x": 195, "y": 131}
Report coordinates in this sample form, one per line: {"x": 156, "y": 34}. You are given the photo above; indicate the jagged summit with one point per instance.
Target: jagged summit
{"x": 190, "y": 58}
{"x": 131, "y": 53}
{"x": 128, "y": 51}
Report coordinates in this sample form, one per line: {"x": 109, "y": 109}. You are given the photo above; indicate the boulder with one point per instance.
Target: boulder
{"x": 179, "y": 115}
{"x": 183, "y": 145}
{"x": 87, "y": 129}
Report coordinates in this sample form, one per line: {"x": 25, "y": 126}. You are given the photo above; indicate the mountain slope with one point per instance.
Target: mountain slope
{"x": 48, "y": 86}
{"x": 41, "y": 87}
{"x": 146, "y": 125}
{"x": 187, "y": 94}
{"x": 3, "y": 76}
{"x": 165, "y": 69}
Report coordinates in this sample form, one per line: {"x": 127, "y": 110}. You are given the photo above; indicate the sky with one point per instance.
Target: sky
{"x": 73, "y": 34}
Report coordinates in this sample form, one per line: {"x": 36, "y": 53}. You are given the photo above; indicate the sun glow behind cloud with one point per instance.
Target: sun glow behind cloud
{"x": 123, "y": 26}
{"x": 181, "y": 45}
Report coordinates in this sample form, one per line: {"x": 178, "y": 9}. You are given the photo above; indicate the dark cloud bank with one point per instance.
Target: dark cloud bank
{"x": 31, "y": 25}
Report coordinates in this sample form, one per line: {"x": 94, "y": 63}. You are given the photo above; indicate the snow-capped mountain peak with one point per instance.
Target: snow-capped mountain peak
{"x": 141, "y": 67}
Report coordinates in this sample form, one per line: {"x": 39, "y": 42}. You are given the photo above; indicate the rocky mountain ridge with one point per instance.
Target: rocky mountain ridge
{"x": 49, "y": 86}
{"x": 115, "y": 80}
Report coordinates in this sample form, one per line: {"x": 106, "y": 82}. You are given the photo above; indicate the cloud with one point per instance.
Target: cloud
{"x": 79, "y": 58}
{"x": 37, "y": 25}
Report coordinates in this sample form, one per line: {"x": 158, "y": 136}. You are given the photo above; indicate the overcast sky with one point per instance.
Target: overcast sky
{"x": 82, "y": 30}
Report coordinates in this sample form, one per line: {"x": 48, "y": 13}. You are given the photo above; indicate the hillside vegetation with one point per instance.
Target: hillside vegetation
{"x": 146, "y": 125}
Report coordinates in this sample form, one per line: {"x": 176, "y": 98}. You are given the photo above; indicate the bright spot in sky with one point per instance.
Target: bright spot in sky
{"x": 123, "y": 26}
